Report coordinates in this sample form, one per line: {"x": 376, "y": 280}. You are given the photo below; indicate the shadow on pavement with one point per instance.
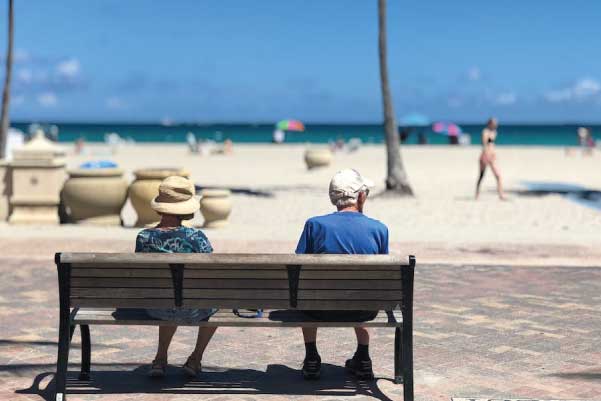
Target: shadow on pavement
{"x": 278, "y": 379}
{"x": 582, "y": 375}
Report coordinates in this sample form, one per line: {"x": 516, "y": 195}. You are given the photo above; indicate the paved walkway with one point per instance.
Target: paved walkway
{"x": 481, "y": 332}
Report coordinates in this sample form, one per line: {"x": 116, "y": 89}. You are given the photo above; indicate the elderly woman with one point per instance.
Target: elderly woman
{"x": 174, "y": 204}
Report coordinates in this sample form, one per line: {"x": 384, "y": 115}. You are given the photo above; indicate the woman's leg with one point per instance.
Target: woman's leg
{"x": 482, "y": 171}
{"x": 165, "y": 335}
{"x": 495, "y": 170}
{"x": 204, "y": 336}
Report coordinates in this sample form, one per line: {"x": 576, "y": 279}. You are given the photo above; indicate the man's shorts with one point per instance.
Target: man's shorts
{"x": 341, "y": 315}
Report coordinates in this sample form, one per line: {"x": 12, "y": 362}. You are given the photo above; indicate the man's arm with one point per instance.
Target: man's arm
{"x": 384, "y": 244}
{"x": 304, "y": 242}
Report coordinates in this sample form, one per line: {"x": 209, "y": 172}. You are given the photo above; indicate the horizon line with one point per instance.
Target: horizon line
{"x": 250, "y": 122}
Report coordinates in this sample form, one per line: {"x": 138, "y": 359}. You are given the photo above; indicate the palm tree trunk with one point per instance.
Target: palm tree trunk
{"x": 396, "y": 177}
{"x": 4, "y": 117}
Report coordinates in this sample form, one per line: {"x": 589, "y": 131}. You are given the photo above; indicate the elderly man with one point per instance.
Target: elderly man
{"x": 347, "y": 231}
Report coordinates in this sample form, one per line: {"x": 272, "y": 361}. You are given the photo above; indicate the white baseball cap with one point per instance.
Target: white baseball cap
{"x": 348, "y": 183}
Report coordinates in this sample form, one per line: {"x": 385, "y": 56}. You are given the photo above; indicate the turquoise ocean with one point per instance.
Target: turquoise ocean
{"x": 509, "y": 134}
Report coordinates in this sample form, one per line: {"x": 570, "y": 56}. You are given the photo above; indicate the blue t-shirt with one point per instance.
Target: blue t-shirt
{"x": 343, "y": 233}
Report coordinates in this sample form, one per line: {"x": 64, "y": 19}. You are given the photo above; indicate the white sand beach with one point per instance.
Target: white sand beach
{"x": 442, "y": 223}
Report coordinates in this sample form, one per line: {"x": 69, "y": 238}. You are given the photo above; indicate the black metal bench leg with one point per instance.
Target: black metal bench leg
{"x": 64, "y": 338}
{"x": 398, "y": 356}
{"x": 86, "y": 351}
{"x": 407, "y": 359}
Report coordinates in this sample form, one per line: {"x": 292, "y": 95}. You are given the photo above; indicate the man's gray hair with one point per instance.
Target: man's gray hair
{"x": 342, "y": 201}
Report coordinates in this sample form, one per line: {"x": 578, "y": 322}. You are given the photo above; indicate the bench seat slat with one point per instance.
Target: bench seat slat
{"x": 169, "y": 303}
{"x": 349, "y": 294}
{"x": 166, "y": 273}
{"x": 254, "y": 259}
{"x": 104, "y": 282}
{"x": 242, "y": 274}
{"x": 188, "y": 293}
{"x": 225, "y": 318}
{"x": 122, "y": 273}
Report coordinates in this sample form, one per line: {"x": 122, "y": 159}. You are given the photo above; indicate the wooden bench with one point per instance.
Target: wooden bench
{"x": 92, "y": 286}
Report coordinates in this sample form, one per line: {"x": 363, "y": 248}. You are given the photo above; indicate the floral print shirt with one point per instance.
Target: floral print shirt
{"x": 175, "y": 240}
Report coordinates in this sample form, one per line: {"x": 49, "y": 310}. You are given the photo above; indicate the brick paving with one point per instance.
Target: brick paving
{"x": 480, "y": 332}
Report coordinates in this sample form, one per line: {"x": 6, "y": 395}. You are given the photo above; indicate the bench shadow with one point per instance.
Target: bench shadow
{"x": 277, "y": 379}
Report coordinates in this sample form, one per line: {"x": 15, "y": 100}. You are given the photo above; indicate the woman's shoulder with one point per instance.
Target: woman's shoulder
{"x": 199, "y": 238}
{"x": 195, "y": 232}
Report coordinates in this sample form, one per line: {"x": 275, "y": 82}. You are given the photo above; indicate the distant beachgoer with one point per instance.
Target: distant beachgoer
{"x": 279, "y": 136}
{"x": 488, "y": 157}
{"x": 175, "y": 203}
{"x": 79, "y": 145}
{"x": 582, "y": 134}
{"x": 589, "y": 142}
{"x": 404, "y": 134}
{"x": 228, "y": 146}
{"x": 422, "y": 139}
{"x": 192, "y": 142}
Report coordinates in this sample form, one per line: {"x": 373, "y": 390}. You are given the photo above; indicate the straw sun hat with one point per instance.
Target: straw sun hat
{"x": 176, "y": 196}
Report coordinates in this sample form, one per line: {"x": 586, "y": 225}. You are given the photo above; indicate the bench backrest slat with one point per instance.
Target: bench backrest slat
{"x": 339, "y": 282}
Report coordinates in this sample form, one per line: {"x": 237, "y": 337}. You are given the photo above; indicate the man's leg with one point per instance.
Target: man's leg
{"x": 360, "y": 363}
{"x": 312, "y": 362}
{"x": 310, "y": 334}
{"x": 362, "y": 335}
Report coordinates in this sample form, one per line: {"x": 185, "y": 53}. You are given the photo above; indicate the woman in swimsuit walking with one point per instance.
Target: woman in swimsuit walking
{"x": 488, "y": 157}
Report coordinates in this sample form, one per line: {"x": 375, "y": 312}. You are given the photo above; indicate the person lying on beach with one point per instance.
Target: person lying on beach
{"x": 347, "y": 231}
{"x": 175, "y": 203}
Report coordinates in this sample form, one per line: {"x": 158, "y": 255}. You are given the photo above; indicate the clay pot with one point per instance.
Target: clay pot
{"x": 318, "y": 158}
{"x": 145, "y": 188}
{"x": 215, "y": 206}
{"x": 95, "y": 196}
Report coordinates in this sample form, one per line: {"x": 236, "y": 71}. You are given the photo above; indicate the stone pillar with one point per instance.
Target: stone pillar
{"x": 38, "y": 174}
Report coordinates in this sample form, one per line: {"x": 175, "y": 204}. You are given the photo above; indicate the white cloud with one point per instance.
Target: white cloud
{"x": 21, "y": 56}
{"x": 474, "y": 74}
{"x": 47, "y": 99}
{"x": 506, "y": 98}
{"x": 586, "y": 87}
{"x": 25, "y": 75}
{"x": 115, "y": 103}
{"x": 69, "y": 68}
{"x": 583, "y": 89}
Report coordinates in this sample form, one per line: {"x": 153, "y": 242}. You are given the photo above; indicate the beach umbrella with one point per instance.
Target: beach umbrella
{"x": 414, "y": 120}
{"x": 290, "y": 125}
{"x": 448, "y": 129}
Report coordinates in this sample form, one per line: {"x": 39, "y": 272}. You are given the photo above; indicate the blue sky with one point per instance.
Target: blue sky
{"x": 316, "y": 60}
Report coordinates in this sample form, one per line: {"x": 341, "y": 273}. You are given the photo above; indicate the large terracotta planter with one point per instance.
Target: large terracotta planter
{"x": 95, "y": 196}
{"x": 215, "y": 206}
{"x": 318, "y": 158}
{"x": 145, "y": 188}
